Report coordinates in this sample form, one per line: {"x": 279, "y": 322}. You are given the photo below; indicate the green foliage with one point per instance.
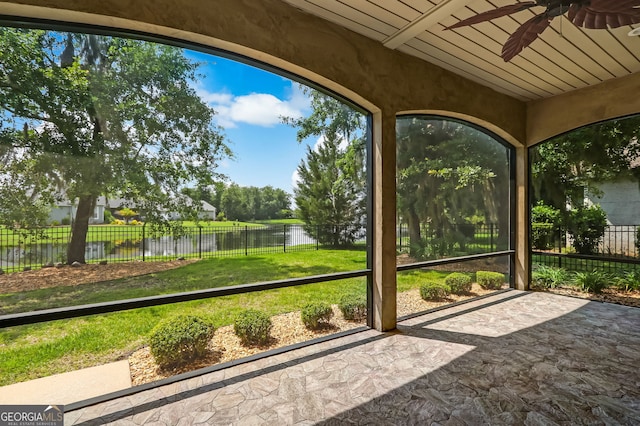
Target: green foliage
{"x": 331, "y": 191}
{"x": 458, "y": 282}
{"x": 549, "y": 277}
{"x": 447, "y": 172}
{"x": 220, "y": 217}
{"x": 55, "y": 223}
{"x": 315, "y": 315}
{"x": 66, "y": 221}
{"x": 108, "y": 216}
{"x": 545, "y": 221}
{"x": 433, "y": 290}
{"x": 253, "y": 327}
{"x": 490, "y": 280}
{"x": 637, "y": 242}
{"x": 115, "y": 116}
{"x": 564, "y": 166}
{"x": 177, "y": 340}
{"x": 628, "y": 280}
{"x": 586, "y": 227}
{"x": 592, "y": 282}
{"x": 353, "y": 307}
{"x": 245, "y": 203}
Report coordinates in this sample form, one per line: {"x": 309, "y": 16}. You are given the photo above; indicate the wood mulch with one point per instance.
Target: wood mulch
{"x": 288, "y": 329}
{"x": 67, "y": 275}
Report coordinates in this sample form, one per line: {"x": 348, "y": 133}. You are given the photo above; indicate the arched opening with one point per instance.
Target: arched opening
{"x": 455, "y": 185}
{"x": 584, "y": 202}
{"x": 125, "y": 149}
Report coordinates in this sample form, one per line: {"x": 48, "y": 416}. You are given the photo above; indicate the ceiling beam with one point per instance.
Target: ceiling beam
{"x": 426, "y": 20}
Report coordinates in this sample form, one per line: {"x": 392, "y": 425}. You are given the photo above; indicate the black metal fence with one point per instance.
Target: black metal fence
{"x": 454, "y": 240}
{"x": 617, "y": 250}
{"x": 113, "y": 243}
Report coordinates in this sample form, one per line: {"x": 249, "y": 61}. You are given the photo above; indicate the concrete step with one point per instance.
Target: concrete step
{"x": 65, "y": 388}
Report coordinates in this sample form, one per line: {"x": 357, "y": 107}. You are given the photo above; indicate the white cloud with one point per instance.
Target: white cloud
{"x": 259, "y": 109}
{"x": 344, "y": 143}
{"x": 295, "y": 178}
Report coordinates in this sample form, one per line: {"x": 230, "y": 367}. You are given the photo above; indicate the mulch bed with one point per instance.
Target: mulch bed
{"x": 84, "y": 274}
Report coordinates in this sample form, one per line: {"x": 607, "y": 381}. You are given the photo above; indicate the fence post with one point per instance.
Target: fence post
{"x": 560, "y": 248}
{"x": 317, "y": 237}
{"x": 200, "y": 242}
{"x": 491, "y": 238}
{"x": 284, "y": 241}
{"x": 144, "y": 225}
{"x": 246, "y": 240}
{"x": 400, "y": 243}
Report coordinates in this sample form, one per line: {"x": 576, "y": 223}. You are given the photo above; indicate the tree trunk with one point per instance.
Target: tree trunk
{"x": 77, "y": 245}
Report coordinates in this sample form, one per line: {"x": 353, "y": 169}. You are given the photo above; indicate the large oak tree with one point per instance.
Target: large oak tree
{"x": 85, "y": 115}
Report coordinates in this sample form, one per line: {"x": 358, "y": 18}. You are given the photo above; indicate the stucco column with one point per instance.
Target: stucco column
{"x": 384, "y": 221}
{"x": 521, "y": 272}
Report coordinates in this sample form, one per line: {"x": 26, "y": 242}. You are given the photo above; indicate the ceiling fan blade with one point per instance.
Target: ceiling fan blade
{"x": 492, "y": 14}
{"x": 600, "y": 14}
{"x": 594, "y": 19}
{"x": 524, "y": 36}
{"x": 614, "y": 5}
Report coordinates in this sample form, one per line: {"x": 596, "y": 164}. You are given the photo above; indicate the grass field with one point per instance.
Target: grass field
{"x": 39, "y": 350}
{"x": 27, "y": 352}
{"x": 61, "y": 234}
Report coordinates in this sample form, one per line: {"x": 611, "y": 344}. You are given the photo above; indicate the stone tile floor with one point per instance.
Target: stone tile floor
{"x": 513, "y": 358}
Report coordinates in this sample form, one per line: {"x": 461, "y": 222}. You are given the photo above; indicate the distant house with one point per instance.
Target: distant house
{"x": 620, "y": 200}
{"x": 208, "y": 212}
{"x": 66, "y": 210}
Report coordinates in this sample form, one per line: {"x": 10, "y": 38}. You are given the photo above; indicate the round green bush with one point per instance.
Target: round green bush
{"x": 180, "y": 339}
{"x": 458, "y": 282}
{"x": 432, "y": 290}
{"x": 252, "y": 327}
{"x": 490, "y": 280}
{"x": 353, "y": 307}
{"x": 316, "y": 314}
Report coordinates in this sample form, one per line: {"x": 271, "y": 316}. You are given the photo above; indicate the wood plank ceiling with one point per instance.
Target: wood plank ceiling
{"x": 562, "y": 59}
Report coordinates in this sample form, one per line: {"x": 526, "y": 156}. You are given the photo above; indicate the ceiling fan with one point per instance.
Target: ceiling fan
{"x": 592, "y": 14}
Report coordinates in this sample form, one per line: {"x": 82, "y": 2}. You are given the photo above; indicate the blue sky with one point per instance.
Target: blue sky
{"x": 249, "y": 103}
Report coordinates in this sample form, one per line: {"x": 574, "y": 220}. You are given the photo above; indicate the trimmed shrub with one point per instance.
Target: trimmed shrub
{"x": 549, "y": 277}
{"x": 591, "y": 282}
{"x": 316, "y": 314}
{"x": 252, "y": 327}
{"x": 586, "y": 227}
{"x": 490, "y": 280}
{"x": 66, "y": 221}
{"x": 180, "y": 339}
{"x": 544, "y": 225}
{"x": 458, "y": 282}
{"x": 433, "y": 290}
{"x": 353, "y": 306}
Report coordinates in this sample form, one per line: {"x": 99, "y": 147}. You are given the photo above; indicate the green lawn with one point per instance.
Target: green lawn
{"x": 60, "y": 234}
{"x": 281, "y": 222}
{"x": 39, "y": 350}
